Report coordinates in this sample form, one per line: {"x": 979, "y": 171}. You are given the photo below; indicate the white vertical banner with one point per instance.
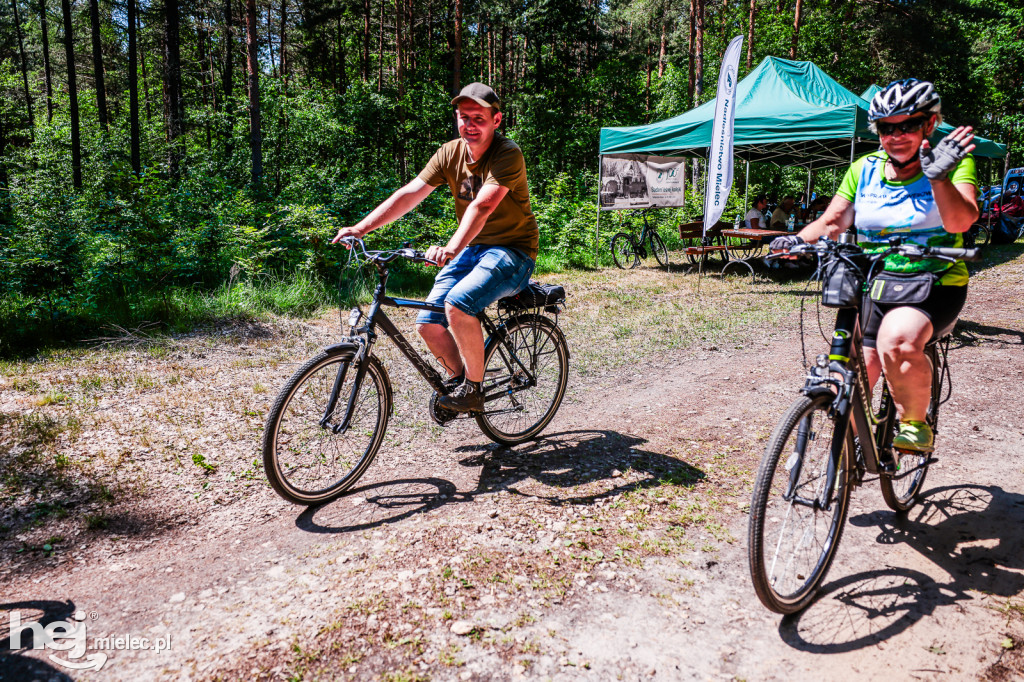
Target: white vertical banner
{"x": 719, "y": 177}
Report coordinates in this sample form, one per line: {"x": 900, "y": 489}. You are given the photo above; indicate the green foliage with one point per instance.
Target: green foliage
{"x": 343, "y": 130}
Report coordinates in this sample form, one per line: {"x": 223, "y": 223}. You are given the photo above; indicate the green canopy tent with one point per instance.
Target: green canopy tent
{"x": 787, "y": 112}
{"x": 985, "y": 148}
{"x": 790, "y": 113}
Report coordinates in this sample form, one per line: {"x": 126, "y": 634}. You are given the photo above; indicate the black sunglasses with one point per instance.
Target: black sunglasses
{"x": 911, "y": 125}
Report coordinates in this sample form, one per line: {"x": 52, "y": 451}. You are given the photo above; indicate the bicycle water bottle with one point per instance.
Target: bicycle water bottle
{"x": 790, "y": 223}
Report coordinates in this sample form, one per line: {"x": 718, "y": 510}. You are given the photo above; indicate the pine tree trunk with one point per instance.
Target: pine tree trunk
{"x": 400, "y": 56}
{"x": 76, "y": 139}
{"x": 45, "y": 31}
{"x": 253, "y": 68}
{"x": 380, "y": 48}
{"x": 24, "y": 68}
{"x": 750, "y": 33}
{"x": 457, "y": 71}
{"x": 647, "y": 87}
{"x": 699, "y": 48}
{"x": 145, "y": 74}
{"x": 133, "y": 92}
{"x": 172, "y": 78}
{"x": 203, "y": 88}
{"x": 661, "y": 52}
{"x": 690, "y": 62}
{"x": 366, "y": 40}
{"x": 281, "y": 48}
{"x": 270, "y": 41}
{"x": 796, "y": 29}
{"x": 342, "y": 66}
{"x": 97, "y": 63}
{"x": 503, "y": 59}
{"x": 227, "y": 81}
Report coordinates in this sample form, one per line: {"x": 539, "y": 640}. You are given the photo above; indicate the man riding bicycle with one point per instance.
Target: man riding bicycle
{"x": 493, "y": 251}
{"x": 927, "y": 197}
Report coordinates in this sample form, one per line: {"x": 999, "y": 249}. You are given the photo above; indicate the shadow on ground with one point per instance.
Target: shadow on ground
{"x": 972, "y": 533}
{"x": 551, "y": 470}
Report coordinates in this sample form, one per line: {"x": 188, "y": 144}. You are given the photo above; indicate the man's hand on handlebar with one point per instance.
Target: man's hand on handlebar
{"x": 441, "y": 255}
{"x": 347, "y": 232}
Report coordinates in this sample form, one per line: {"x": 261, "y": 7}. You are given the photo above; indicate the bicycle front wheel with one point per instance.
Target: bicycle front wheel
{"x": 524, "y": 380}
{"x": 659, "y": 249}
{"x": 305, "y": 460}
{"x": 624, "y": 251}
{"x": 795, "y": 521}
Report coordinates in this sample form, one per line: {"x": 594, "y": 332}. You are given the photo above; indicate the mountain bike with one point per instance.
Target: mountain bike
{"x": 628, "y": 250}
{"x": 833, "y": 435}
{"x": 329, "y": 419}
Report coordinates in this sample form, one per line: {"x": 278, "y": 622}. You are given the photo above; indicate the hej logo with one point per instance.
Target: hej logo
{"x": 72, "y": 636}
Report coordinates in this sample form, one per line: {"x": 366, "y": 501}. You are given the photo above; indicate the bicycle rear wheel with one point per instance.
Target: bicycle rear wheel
{"x": 624, "y": 251}
{"x": 659, "y": 249}
{"x": 792, "y": 542}
{"x": 305, "y": 461}
{"x": 518, "y": 408}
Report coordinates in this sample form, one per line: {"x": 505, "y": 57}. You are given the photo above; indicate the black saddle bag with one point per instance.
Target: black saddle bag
{"x": 535, "y": 295}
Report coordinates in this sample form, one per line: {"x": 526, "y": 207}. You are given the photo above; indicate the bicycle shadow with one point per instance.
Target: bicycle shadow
{"x": 968, "y": 333}
{"x": 973, "y": 533}
{"x": 14, "y": 664}
{"x": 556, "y": 466}
{"x": 552, "y": 469}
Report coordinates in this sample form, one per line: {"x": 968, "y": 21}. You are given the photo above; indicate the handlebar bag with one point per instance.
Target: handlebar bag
{"x": 896, "y": 288}
{"x": 842, "y": 285}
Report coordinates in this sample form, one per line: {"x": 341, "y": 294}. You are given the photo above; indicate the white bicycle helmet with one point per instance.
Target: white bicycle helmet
{"x": 903, "y": 98}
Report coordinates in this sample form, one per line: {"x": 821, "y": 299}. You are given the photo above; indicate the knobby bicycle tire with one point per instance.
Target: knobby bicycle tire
{"x": 515, "y": 412}
{"x": 307, "y": 463}
{"x": 902, "y": 491}
{"x": 624, "y": 251}
{"x": 787, "y": 561}
{"x": 659, "y": 249}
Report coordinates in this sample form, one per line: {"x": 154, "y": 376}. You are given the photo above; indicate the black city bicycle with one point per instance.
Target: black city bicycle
{"x": 833, "y": 435}
{"x": 628, "y": 250}
{"x": 329, "y": 420}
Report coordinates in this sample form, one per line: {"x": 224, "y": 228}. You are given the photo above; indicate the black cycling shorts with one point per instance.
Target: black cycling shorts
{"x": 942, "y": 307}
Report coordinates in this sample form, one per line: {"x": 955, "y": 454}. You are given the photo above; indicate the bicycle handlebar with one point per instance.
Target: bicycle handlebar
{"x": 911, "y": 251}
{"x": 384, "y": 256}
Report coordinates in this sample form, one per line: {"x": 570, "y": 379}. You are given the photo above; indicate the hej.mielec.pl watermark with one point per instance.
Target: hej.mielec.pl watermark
{"x": 72, "y": 636}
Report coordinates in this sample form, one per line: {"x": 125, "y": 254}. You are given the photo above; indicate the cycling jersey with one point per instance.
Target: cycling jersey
{"x": 907, "y": 208}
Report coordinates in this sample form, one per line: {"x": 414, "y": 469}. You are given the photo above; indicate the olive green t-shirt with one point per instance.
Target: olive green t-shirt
{"x": 512, "y": 222}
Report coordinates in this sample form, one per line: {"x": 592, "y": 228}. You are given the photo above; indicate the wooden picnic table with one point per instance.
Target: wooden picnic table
{"x": 754, "y": 241}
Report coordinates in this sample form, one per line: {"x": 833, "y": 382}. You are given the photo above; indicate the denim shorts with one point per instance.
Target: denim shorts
{"x": 478, "y": 277}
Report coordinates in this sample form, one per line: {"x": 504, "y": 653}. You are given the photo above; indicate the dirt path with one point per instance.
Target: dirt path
{"x": 612, "y": 548}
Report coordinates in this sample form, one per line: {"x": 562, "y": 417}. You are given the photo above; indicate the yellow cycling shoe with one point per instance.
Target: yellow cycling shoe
{"x": 916, "y": 436}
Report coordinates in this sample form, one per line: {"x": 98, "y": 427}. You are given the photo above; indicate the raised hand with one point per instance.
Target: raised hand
{"x": 939, "y": 162}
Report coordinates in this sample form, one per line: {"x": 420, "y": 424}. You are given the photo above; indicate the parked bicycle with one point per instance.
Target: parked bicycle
{"x": 628, "y": 250}
{"x": 833, "y": 435}
{"x": 329, "y": 420}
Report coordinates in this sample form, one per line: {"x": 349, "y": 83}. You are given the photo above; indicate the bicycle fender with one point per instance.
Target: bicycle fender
{"x": 343, "y": 347}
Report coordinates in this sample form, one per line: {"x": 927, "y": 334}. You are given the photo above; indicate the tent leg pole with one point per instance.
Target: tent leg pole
{"x": 807, "y": 194}
{"x": 746, "y": 190}
{"x": 597, "y": 228}
{"x": 853, "y": 142}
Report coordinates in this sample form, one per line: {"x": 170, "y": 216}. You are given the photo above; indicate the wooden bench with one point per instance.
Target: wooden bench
{"x": 694, "y": 233}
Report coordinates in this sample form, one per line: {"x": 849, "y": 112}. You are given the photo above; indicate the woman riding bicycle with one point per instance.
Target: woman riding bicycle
{"x": 926, "y": 196}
